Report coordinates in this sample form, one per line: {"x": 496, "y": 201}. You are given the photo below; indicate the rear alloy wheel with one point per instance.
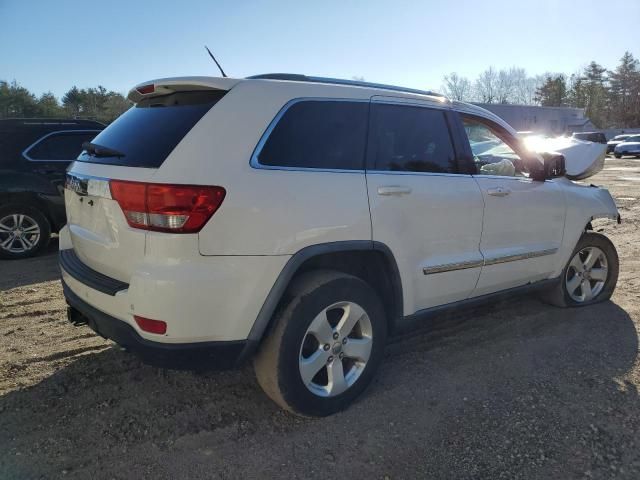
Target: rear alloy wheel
{"x": 591, "y": 274}
{"x": 326, "y": 345}
{"x": 24, "y": 231}
{"x": 335, "y": 349}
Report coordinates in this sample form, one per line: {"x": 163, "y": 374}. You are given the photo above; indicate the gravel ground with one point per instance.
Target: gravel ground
{"x": 512, "y": 390}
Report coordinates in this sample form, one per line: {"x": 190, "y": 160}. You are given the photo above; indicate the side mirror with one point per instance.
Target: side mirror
{"x": 554, "y": 166}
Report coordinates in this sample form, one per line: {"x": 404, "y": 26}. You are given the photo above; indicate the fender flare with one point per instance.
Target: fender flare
{"x": 293, "y": 265}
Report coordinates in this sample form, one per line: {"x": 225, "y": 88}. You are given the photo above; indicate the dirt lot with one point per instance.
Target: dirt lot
{"x": 515, "y": 390}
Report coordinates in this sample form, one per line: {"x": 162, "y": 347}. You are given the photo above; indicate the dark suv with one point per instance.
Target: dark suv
{"x": 34, "y": 155}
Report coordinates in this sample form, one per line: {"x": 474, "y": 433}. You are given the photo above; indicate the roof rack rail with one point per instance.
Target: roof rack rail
{"x": 296, "y": 77}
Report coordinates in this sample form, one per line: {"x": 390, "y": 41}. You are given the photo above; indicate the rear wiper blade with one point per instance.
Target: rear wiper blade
{"x": 100, "y": 151}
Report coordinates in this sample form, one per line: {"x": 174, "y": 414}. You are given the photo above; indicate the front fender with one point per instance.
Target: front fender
{"x": 584, "y": 203}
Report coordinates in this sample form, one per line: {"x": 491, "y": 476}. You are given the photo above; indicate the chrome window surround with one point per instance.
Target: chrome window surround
{"x": 25, "y": 153}
{"x": 254, "y": 162}
{"x": 451, "y": 267}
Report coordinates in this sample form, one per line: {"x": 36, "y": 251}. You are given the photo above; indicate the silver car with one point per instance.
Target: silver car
{"x": 611, "y": 144}
{"x": 630, "y": 146}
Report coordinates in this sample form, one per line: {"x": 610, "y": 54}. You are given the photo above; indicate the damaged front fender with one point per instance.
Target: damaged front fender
{"x": 584, "y": 203}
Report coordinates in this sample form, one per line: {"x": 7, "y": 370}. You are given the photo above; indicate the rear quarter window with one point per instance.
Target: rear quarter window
{"x": 320, "y": 134}
{"x": 148, "y": 132}
{"x": 59, "y": 146}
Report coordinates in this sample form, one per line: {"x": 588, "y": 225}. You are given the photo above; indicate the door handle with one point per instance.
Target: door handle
{"x": 393, "y": 190}
{"x": 498, "y": 192}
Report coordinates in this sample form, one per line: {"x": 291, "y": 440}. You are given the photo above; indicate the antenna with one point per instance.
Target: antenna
{"x": 214, "y": 59}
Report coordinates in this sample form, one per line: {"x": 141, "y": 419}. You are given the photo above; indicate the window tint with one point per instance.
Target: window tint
{"x": 491, "y": 154}
{"x": 149, "y": 131}
{"x": 60, "y": 146}
{"x": 414, "y": 139}
{"x": 318, "y": 134}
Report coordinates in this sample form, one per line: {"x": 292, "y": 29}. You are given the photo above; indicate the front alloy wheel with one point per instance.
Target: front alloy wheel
{"x": 587, "y": 274}
{"x": 590, "y": 276}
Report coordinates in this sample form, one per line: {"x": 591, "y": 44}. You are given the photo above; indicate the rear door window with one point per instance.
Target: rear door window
{"x": 319, "y": 134}
{"x": 409, "y": 138}
{"x": 147, "y": 133}
{"x": 59, "y": 146}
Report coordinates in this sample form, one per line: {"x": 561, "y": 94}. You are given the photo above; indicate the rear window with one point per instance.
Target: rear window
{"x": 148, "y": 132}
{"x": 318, "y": 134}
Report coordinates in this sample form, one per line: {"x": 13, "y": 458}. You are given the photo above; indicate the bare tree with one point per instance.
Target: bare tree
{"x": 485, "y": 86}
{"x": 505, "y": 86}
{"x": 457, "y": 87}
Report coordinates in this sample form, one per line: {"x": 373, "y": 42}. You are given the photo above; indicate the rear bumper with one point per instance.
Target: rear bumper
{"x": 199, "y": 355}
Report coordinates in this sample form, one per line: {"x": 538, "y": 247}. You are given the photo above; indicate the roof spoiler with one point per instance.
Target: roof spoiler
{"x": 166, "y": 86}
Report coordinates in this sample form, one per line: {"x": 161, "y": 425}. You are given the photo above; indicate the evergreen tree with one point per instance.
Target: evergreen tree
{"x": 17, "y": 101}
{"x": 553, "y": 92}
{"x": 625, "y": 92}
{"x": 48, "y": 106}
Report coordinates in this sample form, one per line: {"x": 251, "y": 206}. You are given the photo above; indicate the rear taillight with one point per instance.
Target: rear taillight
{"x": 166, "y": 208}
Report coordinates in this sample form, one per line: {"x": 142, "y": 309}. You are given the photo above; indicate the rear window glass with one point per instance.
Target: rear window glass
{"x": 60, "y": 146}
{"x": 319, "y": 134}
{"x": 148, "y": 132}
{"x": 410, "y": 139}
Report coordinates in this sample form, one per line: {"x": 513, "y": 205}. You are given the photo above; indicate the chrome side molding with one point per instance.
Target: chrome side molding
{"x": 519, "y": 256}
{"x": 451, "y": 267}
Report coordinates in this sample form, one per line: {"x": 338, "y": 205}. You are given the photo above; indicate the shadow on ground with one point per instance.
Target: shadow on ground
{"x": 28, "y": 271}
{"x": 517, "y": 390}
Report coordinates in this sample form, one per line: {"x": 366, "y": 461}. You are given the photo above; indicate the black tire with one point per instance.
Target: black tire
{"x": 277, "y": 361}
{"x": 617, "y": 155}
{"x": 34, "y": 216}
{"x": 559, "y": 295}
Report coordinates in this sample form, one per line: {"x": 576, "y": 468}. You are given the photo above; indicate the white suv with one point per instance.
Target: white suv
{"x": 301, "y": 219}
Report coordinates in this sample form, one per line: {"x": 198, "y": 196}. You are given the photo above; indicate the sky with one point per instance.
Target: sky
{"x": 53, "y": 45}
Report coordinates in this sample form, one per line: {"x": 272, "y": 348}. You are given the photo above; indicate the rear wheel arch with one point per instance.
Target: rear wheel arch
{"x": 371, "y": 261}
